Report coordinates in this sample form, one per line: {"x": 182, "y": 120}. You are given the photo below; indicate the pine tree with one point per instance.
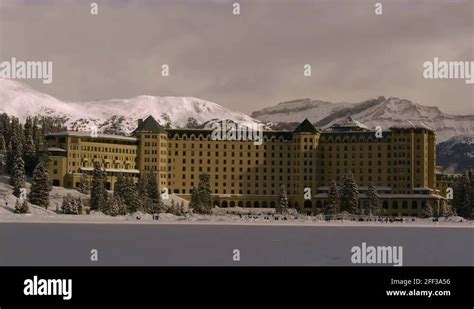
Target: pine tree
{"x": 119, "y": 188}
{"x": 143, "y": 185}
{"x": 462, "y": 193}
{"x": 79, "y": 205}
{"x": 37, "y": 136}
{"x": 29, "y": 153}
{"x": 146, "y": 203}
{"x": 3, "y": 154}
{"x": 282, "y": 206}
{"x": 203, "y": 202}
{"x": 194, "y": 203}
{"x": 350, "y": 195}
{"x": 98, "y": 191}
{"x": 72, "y": 205}
{"x": 154, "y": 193}
{"x": 172, "y": 208}
{"x": 21, "y": 207}
{"x": 17, "y": 179}
{"x": 332, "y": 207}
{"x": 84, "y": 185}
{"x": 152, "y": 186}
{"x": 471, "y": 194}
{"x": 373, "y": 205}
{"x": 114, "y": 206}
{"x": 192, "y": 123}
{"x": 427, "y": 211}
{"x": 66, "y": 205}
{"x": 128, "y": 193}
{"x": 131, "y": 197}
{"x": 3, "y": 149}
{"x": 39, "y": 192}
{"x": 182, "y": 210}
{"x": 166, "y": 118}
{"x": 9, "y": 159}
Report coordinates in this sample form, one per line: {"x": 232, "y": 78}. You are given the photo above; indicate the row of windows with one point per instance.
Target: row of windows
{"x": 232, "y": 146}
{"x": 107, "y": 149}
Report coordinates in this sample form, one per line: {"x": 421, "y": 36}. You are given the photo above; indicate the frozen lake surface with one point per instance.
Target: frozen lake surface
{"x": 43, "y": 244}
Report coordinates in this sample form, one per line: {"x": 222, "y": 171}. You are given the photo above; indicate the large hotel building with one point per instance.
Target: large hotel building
{"x": 400, "y": 162}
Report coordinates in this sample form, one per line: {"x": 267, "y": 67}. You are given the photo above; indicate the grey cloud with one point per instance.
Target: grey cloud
{"x": 244, "y": 62}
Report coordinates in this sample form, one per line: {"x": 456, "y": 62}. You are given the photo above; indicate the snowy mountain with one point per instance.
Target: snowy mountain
{"x": 116, "y": 115}
{"x": 295, "y": 111}
{"x": 456, "y": 154}
{"x": 391, "y": 112}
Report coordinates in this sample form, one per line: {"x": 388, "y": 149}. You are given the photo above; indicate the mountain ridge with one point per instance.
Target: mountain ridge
{"x": 381, "y": 111}
{"x": 20, "y": 100}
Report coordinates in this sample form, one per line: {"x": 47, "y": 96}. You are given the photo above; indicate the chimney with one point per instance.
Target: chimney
{"x": 140, "y": 121}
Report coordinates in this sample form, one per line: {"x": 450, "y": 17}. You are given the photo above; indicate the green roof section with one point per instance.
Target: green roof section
{"x": 149, "y": 125}
{"x": 305, "y": 127}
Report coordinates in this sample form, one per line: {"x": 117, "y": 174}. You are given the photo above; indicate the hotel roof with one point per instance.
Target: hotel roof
{"x": 149, "y": 125}
{"x": 89, "y": 134}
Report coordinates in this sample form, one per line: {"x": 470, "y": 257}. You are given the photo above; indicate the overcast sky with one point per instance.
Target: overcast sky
{"x": 244, "y": 62}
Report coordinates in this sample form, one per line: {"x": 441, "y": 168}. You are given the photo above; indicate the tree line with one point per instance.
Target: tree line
{"x": 127, "y": 197}
{"x": 23, "y": 155}
{"x": 463, "y": 194}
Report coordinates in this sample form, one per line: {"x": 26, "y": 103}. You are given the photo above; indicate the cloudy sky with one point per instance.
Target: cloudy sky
{"x": 249, "y": 61}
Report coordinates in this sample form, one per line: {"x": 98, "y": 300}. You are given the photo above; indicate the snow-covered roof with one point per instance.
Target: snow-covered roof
{"x": 56, "y": 149}
{"x": 394, "y": 196}
{"x": 360, "y": 188}
{"x": 348, "y": 124}
{"x": 422, "y": 188}
{"x": 113, "y": 170}
{"x": 89, "y": 134}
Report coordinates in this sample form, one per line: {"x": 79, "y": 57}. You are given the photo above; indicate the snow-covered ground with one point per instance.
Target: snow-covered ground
{"x": 237, "y": 215}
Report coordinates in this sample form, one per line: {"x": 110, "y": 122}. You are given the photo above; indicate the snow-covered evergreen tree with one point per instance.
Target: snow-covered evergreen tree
{"x": 37, "y": 136}
{"x": 143, "y": 185}
{"x": 9, "y": 159}
{"x": 98, "y": 191}
{"x": 192, "y": 123}
{"x": 182, "y": 209}
{"x": 153, "y": 189}
{"x": 154, "y": 194}
{"x": 66, "y": 205}
{"x": 194, "y": 199}
{"x": 84, "y": 186}
{"x": 3, "y": 154}
{"x": 29, "y": 154}
{"x": 427, "y": 212}
{"x": 114, "y": 206}
{"x": 202, "y": 203}
{"x": 39, "y": 192}
{"x": 131, "y": 198}
{"x": 462, "y": 195}
{"x": 350, "y": 195}
{"x": 21, "y": 206}
{"x": 146, "y": 203}
{"x": 373, "y": 205}
{"x": 72, "y": 205}
{"x": 167, "y": 120}
{"x": 17, "y": 179}
{"x": 332, "y": 206}
{"x": 171, "y": 208}
{"x": 126, "y": 189}
{"x": 282, "y": 205}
